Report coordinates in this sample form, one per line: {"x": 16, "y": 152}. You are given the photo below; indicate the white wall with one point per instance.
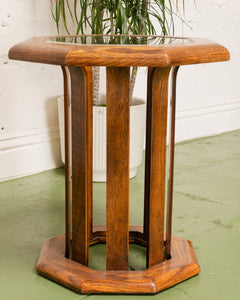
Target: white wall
{"x": 29, "y": 136}
{"x": 208, "y": 95}
{"x": 208, "y": 100}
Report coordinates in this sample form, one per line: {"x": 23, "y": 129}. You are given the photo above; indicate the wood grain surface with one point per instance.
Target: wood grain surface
{"x": 67, "y": 133}
{"x": 118, "y": 107}
{"x": 54, "y": 265}
{"x": 81, "y": 162}
{"x": 156, "y": 139}
{"x": 174, "y": 72}
{"x": 135, "y": 235}
{"x": 42, "y": 50}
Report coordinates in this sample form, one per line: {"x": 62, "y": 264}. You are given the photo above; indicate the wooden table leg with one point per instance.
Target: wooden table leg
{"x": 67, "y": 161}
{"x": 117, "y": 234}
{"x": 171, "y": 164}
{"x": 81, "y": 100}
{"x": 154, "y": 197}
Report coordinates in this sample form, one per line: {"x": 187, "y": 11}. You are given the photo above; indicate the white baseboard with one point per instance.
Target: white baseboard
{"x": 207, "y": 121}
{"x": 29, "y": 153}
{"x": 36, "y": 151}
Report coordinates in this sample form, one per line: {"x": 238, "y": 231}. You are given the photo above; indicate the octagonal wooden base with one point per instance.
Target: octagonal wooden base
{"x": 53, "y": 265}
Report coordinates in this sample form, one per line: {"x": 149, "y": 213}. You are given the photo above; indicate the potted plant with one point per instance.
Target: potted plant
{"x": 113, "y": 17}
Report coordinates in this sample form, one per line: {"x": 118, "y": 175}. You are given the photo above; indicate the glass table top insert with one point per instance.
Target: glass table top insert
{"x": 133, "y": 40}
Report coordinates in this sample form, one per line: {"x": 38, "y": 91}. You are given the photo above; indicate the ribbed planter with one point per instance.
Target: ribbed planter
{"x": 137, "y": 133}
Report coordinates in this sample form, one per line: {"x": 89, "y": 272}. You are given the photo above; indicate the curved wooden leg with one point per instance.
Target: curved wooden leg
{"x": 117, "y": 235}
{"x": 81, "y": 101}
{"x": 171, "y": 164}
{"x": 67, "y": 133}
{"x": 154, "y": 197}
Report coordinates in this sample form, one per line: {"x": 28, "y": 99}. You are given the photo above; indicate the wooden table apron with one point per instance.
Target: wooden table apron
{"x": 65, "y": 258}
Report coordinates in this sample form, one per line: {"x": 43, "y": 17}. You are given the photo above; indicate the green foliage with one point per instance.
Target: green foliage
{"x": 115, "y": 17}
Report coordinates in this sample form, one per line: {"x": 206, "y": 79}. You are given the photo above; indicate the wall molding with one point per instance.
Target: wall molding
{"x": 29, "y": 153}
{"x": 38, "y": 150}
{"x": 208, "y": 120}
{"x": 28, "y": 138}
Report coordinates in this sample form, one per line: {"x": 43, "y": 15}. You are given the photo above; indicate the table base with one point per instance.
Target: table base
{"x": 54, "y": 265}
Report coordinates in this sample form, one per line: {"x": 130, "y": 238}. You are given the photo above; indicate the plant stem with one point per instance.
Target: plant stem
{"x": 96, "y": 78}
{"x": 132, "y": 82}
{"x": 111, "y": 23}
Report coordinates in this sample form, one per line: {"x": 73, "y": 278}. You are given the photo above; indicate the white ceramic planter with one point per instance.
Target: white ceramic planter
{"x": 137, "y": 133}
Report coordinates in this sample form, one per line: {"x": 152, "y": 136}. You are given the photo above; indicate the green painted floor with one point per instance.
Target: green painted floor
{"x": 206, "y": 211}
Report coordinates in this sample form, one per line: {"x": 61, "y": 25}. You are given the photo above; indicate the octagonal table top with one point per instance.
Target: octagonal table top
{"x": 119, "y": 50}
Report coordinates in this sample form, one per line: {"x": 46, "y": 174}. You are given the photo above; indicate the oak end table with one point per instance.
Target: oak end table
{"x": 65, "y": 258}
